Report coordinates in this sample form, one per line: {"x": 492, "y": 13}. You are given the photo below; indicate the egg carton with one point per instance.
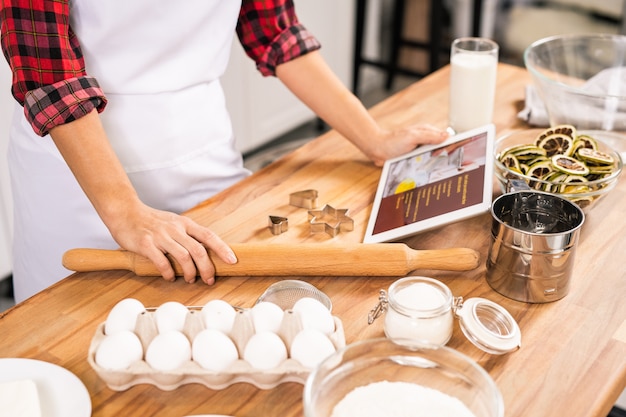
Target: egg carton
{"x": 190, "y": 372}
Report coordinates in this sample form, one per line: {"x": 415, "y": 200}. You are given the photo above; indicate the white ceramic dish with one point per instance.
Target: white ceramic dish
{"x": 61, "y": 393}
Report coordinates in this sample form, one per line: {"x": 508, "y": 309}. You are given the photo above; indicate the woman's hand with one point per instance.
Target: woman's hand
{"x": 392, "y": 143}
{"x": 135, "y": 226}
{"x": 311, "y": 80}
{"x": 155, "y": 233}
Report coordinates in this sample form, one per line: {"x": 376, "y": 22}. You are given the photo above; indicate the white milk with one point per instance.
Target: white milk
{"x": 472, "y": 90}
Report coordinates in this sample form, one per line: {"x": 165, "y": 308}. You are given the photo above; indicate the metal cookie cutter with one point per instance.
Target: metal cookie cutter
{"x": 330, "y": 220}
{"x": 278, "y": 225}
{"x": 305, "y": 199}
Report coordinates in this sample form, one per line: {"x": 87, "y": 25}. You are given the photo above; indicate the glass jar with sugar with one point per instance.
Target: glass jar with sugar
{"x": 422, "y": 309}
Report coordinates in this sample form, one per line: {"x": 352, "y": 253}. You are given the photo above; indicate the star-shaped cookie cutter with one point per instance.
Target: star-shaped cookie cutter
{"x": 330, "y": 221}
{"x": 278, "y": 225}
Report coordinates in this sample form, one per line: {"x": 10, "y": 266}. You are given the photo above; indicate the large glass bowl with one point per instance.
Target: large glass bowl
{"x": 581, "y": 79}
{"x": 376, "y": 360}
{"x": 584, "y": 194}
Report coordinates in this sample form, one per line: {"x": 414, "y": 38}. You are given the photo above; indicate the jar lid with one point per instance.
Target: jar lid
{"x": 488, "y": 326}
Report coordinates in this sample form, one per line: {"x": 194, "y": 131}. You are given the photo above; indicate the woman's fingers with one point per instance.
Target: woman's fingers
{"x": 393, "y": 143}
{"x": 216, "y": 245}
{"x": 157, "y": 257}
{"x": 156, "y": 234}
{"x": 189, "y": 247}
{"x": 189, "y": 258}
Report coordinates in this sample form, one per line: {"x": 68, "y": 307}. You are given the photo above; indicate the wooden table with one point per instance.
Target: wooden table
{"x": 573, "y": 356}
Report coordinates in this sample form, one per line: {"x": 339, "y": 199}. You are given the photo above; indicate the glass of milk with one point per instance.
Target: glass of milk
{"x": 473, "y": 69}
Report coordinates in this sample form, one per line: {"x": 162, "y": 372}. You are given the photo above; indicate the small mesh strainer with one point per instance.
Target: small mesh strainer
{"x": 285, "y": 294}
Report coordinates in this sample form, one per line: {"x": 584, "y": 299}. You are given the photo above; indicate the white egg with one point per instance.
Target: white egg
{"x": 218, "y": 314}
{"x": 314, "y": 315}
{"x": 310, "y": 347}
{"x": 170, "y": 316}
{"x": 119, "y": 350}
{"x": 168, "y": 351}
{"x": 265, "y": 350}
{"x": 123, "y": 316}
{"x": 213, "y": 350}
{"x": 267, "y": 316}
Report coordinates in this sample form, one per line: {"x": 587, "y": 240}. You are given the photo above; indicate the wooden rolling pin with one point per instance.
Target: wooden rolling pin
{"x": 304, "y": 259}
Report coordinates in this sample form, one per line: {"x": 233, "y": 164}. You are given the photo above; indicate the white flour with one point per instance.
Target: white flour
{"x": 399, "y": 399}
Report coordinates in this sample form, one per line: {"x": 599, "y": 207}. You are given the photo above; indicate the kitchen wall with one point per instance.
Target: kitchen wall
{"x": 262, "y": 108}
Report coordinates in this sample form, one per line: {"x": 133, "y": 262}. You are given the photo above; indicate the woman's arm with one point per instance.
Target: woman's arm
{"x": 59, "y": 98}
{"x": 49, "y": 77}
{"x": 134, "y": 225}
{"x": 313, "y": 82}
{"x": 272, "y": 35}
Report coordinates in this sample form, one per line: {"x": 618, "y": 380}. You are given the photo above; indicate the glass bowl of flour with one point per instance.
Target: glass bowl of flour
{"x": 380, "y": 377}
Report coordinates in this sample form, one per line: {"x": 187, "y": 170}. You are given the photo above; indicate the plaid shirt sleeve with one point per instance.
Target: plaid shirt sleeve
{"x": 271, "y": 33}
{"x": 49, "y": 77}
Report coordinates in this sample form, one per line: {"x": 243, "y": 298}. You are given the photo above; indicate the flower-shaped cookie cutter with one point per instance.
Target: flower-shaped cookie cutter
{"x": 330, "y": 221}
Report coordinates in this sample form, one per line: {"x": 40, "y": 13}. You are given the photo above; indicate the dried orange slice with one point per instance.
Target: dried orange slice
{"x": 583, "y": 202}
{"x": 557, "y": 143}
{"x": 524, "y": 168}
{"x": 574, "y": 179}
{"x": 555, "y": 176}
{"x": 511, "y": 162}
{"x": 585, "y": 141}
{"x": 575, "y": 189}
{"x": 531, "y": 152}
{"x": 525, "y": 152}
{"x": 600, "y": 171}
{"x": 595, "y": 157}
{"x": 574, "y": 184}
{"x": 567, "y": 130}
{"x": 569, "y": 165}
{"x": 540, "y": 169}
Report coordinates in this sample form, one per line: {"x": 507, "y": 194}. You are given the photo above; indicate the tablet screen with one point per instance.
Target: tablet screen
{"x": 433, "y": 185}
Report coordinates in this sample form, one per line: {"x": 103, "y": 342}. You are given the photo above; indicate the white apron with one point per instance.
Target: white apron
{"x": 159, "y": 64}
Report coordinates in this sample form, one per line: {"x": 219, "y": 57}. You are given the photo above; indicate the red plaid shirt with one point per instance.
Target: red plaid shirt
{"x": 49, "y": 77}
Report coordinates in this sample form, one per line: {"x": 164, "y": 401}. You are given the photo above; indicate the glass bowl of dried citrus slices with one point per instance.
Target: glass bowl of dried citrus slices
{"x": 581, "y": 166}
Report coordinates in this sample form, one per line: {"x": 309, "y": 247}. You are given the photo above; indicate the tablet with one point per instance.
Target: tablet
{"x": 433, "y": 185}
